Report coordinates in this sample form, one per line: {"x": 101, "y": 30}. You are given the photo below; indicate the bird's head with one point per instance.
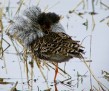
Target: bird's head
{"x": 46, "y": 20}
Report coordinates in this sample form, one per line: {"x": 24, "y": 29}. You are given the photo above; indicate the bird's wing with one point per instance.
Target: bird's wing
{"x": 54, "y": 47}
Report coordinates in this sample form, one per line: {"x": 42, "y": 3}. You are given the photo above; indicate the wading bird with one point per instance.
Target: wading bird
{"x": 44, "y": 36}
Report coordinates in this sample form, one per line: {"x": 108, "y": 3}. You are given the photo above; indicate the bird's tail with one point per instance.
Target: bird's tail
{"x": 77, "y": 50}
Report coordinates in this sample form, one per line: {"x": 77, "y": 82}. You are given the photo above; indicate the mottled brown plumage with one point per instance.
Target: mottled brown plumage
{"x": 57, "y": 47}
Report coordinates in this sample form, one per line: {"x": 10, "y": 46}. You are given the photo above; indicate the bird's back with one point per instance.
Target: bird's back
{"x": 58, "y": 47}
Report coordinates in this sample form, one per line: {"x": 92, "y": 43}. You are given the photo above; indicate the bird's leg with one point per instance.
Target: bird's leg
{"x": 56, "y": 72}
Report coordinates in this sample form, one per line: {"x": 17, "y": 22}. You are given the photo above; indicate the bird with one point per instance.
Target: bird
{"x": 43, "y": 35}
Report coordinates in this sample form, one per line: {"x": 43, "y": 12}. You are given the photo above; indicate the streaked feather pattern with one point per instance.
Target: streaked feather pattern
{"x": 58, "y": 47}
{"x": 44, "y": 36}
